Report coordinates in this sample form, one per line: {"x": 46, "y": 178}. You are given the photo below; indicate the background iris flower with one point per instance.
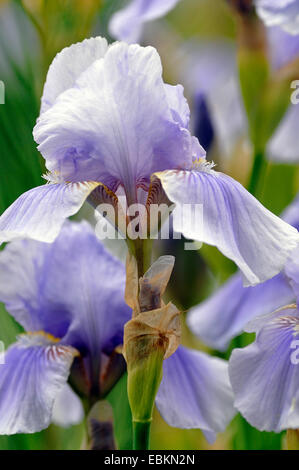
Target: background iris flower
{"x": 68, "y": 297}
{"x": 224, "y": 314}
{"x": 264, "y": 375}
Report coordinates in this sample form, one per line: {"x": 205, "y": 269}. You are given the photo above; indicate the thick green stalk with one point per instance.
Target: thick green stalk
{"x": 141, "y": 435}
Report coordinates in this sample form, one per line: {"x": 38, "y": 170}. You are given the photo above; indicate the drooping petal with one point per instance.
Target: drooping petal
{"x": 68, "y": 409}
{"x": 195, "y": 392}
{"x": 35, "y": 371}
{"x": 115, "y": 125}
{"x": 265, "y": 375}
{"x": 283, "y": 145}
{"x": 68, "y": 65}
{"x": 284, "y": 13}
{"x": 126, "y": 24}
{"x": 72, "y": 288}
{"x": 232, "y": 219}
{"x": 40, "y": 212}
{"x": 223, "y": 315}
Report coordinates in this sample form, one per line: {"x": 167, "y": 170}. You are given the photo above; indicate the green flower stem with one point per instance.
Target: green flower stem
{"x": 141, "y": 435}
{"x": 257, "y": 173}
{"x": 145, "y": 360}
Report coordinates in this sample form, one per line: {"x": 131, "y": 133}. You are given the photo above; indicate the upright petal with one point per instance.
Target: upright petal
{"x": 116, "y": 124}
{"x": 126, "y": 24}
{"x": 195, "y": 392}
{"x": 40, "y": 212}
{"x": 265, "y": 375}
{"x": 178, "y": 104}
{"x": 224, "y": 315}
{"x": 233, "y": 220}
{"x": 35, "y": 371}
{"x": 68, "y": 65}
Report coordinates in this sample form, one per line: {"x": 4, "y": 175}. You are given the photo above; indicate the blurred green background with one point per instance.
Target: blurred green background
{"x": 31, "y": 33}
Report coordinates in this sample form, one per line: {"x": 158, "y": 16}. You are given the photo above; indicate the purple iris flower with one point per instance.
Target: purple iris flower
{"x": 127, "y": 24}
{"x": 283, "y": 13}
{"x": 69, "y": 297}
{"x": 224, "y": 315}
{"x": 109, "y": 121}
{"x": 265, "y": 374}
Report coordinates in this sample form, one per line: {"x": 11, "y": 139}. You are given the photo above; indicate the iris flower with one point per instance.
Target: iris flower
{"x": 69, "y": 298}
{"x": 109, "y": 122}
{"x": 225, "y": 314}
{"x": 264, "y": 378}
{"x": 284, "y": 13}
{"x": 265, "y": 374}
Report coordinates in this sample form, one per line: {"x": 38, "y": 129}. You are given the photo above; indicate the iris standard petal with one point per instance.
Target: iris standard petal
{"x": 68, "y": 65}
{"x": 40, "y": 212}
{"x": 223, "y": 315}
{"x": 284, "y": 13}
{"x": 72, "y": 288}
{"x": 35, "y": 371}
{"x": 28, "y": 290}
{"x": 68, "y": 409}
{"x": 265, "y": 375}
{"x": 232, "y": 219}
{"x": 115, "y": 125}
{"x": 195, "y": 392}
{"x": 126, "y": 24}
{"x": 95, "y": 281}
{"x": 178, "y": 104}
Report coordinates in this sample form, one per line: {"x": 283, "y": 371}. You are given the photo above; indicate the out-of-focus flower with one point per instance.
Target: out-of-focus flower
{"x": 265, "y": 374}
{"x": 127, "y": 24}
{"x": 108, "y": 122}
{"x": 224, "y": 315}
{"x": 209, "y": 71}
{"x": 283, "y": 13}
{"x": 68, "y": 296}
